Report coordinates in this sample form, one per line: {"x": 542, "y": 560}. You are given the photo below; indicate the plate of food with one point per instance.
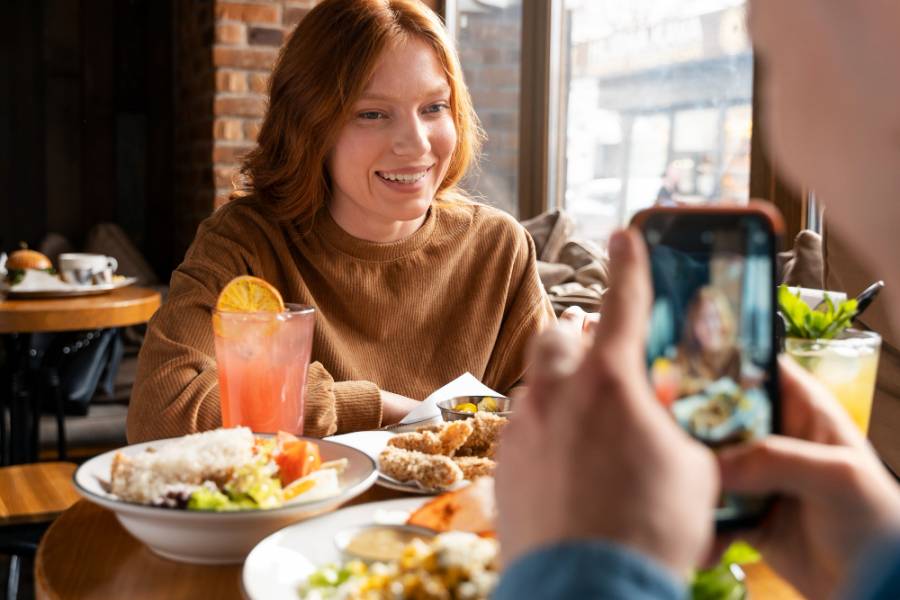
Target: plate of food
{"x": 30, "y": 274}
{"x": 724, "y": 413}
{"x": 386, "y": 548}
{"x": 65, "y": 290}
{"x": 441, "y": 457}
{"x": 209, "y": 497}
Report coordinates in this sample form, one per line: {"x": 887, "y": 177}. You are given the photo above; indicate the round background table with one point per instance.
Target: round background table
{"x": 19, "y": 319}
{"x": 86, "y": 554}
{"x": 118, "y": 308}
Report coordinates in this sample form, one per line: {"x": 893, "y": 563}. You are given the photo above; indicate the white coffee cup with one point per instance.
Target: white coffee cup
{"x": 84, "y": 269}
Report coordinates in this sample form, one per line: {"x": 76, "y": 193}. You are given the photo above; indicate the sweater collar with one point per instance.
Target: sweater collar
{"x": 332, "y": 234}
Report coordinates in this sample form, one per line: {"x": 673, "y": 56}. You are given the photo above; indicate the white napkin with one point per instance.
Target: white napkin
{"x": 464, "y": 385}
{"x": 814, "y": 297}
{"x": 38, "y": 281}
{"x": 370, "y": 442}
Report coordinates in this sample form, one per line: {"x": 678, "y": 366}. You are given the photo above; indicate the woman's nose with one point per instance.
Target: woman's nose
{"x": 411, "y": 138}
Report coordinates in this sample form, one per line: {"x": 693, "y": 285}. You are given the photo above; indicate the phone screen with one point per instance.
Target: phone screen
{"x": 711, "y": 348}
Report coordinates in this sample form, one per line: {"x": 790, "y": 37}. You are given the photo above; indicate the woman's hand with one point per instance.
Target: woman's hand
{"x": 591, "y": 454}
{"x": 581, "y": 322}
{"x": 394, "y": 407}
{"x": 836, "y": 496}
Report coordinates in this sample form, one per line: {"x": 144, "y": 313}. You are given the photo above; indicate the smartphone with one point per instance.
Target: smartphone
{"x": 711, "y": 349}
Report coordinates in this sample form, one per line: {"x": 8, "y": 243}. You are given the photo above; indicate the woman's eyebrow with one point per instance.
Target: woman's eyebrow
{"x": 440, "y": 90}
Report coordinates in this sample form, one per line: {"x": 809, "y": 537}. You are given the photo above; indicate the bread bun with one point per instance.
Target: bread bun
{"x": 27, "y": 259}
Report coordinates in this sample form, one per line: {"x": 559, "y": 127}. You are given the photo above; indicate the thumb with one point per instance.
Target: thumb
{"x": 783, "y": 465}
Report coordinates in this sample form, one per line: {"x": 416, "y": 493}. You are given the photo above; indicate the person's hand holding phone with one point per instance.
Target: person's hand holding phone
{"x": 836, "y": 497}
{"x": 591, "y": 454}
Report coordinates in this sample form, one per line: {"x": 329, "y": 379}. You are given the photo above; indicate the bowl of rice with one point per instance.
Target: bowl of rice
{"x": 208, "y": 498}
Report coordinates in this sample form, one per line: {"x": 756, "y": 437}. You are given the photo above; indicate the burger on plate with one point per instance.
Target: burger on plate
{"x": 21, "y": 260}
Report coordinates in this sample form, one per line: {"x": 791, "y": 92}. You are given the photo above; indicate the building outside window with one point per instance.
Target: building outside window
{"x": 655, "y": 99}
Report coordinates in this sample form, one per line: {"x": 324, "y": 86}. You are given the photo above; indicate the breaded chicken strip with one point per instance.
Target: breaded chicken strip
{"x": 485, "y": 434}
{"x": 432, "y": 471}
{"x": 475, "y": 466}
{"x": 426, "y": 442}
{"x": 442, "y": 439}
{"x": 454, "y": 434}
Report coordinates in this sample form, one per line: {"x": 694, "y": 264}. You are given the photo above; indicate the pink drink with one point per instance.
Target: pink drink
{"x": 262, "y": 360}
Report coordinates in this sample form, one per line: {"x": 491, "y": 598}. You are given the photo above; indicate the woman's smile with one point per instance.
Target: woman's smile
{"x": 408, "y": 179}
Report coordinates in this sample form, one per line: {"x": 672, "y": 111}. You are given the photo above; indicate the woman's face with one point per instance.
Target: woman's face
{"x": 394, "y": 152}
{"x": 709, "y": 328}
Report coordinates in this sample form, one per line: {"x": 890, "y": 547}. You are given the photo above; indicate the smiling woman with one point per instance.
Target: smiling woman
{"x": 391, "y": 158}
{"x": 350, "y": 204}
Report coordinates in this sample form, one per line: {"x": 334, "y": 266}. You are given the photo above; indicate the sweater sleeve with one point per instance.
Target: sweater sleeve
{"x": 176, "y": 389}
{"x": 587, "y": 569}
{"x": 528, "y": 311}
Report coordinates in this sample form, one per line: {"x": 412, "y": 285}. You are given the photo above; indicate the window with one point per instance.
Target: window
{"x": 657, "y": 107}
{"x": 645, "y": 102}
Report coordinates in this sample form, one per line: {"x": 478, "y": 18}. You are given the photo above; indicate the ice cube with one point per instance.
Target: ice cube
{"x": 838, "y": 366}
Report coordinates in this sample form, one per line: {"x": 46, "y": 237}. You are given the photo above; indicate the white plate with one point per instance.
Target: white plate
{"x": 215, "y": 537}
{"x": 756, "y": 417}
{"x": 69, "y": 292}
{"x": 280, "y": 563}
{"x": 372, "y": 443}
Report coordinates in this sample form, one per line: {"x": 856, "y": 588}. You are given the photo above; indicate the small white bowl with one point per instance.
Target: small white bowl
{"x": 214, "y": 538}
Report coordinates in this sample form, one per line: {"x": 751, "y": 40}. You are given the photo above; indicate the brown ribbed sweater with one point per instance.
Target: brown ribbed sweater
{"x": 460, "y": 294}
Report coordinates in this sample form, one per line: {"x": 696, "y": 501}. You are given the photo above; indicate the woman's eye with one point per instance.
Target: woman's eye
{"x": 370, "y": 115}
{"x": 436, "y": 108}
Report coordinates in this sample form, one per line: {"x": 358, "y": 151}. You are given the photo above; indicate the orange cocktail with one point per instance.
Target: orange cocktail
{"x": 262, "y": 351}
{"x": 262, "y": 360}
{"x": 847, "y": 365}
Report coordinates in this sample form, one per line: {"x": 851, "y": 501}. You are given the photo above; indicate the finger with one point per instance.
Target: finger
{"x": 555, "y": 355}
{"x": 810, "y": 411}
{"x": 626, "y": 305}
{"x": 783, "y": 465}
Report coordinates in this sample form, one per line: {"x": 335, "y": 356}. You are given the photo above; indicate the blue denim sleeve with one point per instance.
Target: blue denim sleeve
{"x": 876, "y": 575}
{"x": 587, "y": 569}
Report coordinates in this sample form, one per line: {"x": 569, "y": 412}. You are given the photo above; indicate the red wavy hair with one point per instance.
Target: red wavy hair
{"x": 321, "y": 71}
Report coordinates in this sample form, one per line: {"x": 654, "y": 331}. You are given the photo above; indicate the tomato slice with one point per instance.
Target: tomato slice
{"x": 297, "y": 459}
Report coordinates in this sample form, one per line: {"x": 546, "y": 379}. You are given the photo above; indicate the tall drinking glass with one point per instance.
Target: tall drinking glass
{"x": 262, "y": 361}
{"x": 847, "y": 365}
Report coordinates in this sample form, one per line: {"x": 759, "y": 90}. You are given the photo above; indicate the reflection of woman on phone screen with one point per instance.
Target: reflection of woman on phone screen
{"x": 709, "y": 347}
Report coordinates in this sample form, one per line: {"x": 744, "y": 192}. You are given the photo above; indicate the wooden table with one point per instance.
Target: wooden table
{"x": 35, "y": 493}
{"x": 119, "y": 308}
{"x": 19, "y": 319}
{"x": 86, "y": 554}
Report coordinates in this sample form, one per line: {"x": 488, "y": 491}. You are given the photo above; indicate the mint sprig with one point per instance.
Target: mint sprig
{"x": 804, "y": 322}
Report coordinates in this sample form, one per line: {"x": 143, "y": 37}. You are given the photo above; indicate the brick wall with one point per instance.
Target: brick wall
{"x": 489, "y": 42}
{"x": 247, "y": 37}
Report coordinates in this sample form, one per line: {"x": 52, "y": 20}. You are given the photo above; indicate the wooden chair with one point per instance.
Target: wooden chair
{"x": 31, "y": 496}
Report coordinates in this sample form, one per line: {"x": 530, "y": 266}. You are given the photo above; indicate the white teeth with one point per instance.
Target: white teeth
{"x": 412, "y": 178}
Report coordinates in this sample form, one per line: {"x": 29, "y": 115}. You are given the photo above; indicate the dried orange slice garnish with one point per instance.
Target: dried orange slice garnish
{"x": 249, "y": 294}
